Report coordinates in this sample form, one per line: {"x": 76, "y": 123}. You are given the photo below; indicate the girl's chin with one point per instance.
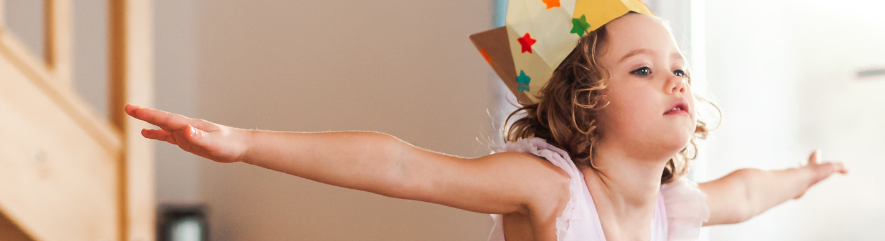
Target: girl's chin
{"x": 677, "y": 144}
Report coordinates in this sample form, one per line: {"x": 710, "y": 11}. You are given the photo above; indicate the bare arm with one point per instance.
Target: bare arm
{"x": 373, "y": 162}
{"x": 746, "y": 193}
{"x": 383, "y": 164}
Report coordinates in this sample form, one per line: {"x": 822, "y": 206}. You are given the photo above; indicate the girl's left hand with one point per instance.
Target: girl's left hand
{"x": 820, "y": 171}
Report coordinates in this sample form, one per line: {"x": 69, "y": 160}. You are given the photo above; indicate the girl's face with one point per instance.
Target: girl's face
{"x": 646, "y": 82}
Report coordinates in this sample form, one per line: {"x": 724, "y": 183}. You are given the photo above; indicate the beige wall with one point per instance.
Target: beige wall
{"x": 178, "y": 172}
{"x": 401, "y": 67}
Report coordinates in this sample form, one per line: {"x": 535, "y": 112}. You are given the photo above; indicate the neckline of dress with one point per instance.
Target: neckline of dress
{"x": 594, "y": 212}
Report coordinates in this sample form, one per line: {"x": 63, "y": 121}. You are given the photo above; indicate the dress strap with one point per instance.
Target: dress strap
{"x": 686, "y": 207}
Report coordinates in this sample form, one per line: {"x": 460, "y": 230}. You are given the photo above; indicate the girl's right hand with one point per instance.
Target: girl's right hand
{"x": 206, "y": 139}
{"x": 820, "y": 170}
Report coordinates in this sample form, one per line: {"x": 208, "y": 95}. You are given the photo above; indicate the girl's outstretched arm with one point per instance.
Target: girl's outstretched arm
{"x": 375, "y": 162}
{"x": 745, "y": 193}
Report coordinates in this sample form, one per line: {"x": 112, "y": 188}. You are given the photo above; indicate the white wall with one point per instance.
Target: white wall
{"x": 783, "y": 73}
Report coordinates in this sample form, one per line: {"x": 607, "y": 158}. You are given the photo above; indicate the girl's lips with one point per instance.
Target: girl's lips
{"x": 678, "y": 105}
{"x": 677, "y": 112}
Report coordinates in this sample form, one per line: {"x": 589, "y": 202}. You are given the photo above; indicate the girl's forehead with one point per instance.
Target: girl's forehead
{"x": 635, "y": 34}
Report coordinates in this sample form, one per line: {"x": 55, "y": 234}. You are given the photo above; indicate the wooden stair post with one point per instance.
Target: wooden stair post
{"x": 2, "y": 16}
{"x": 131, "y": 81}
{"x": 59, "y": 40}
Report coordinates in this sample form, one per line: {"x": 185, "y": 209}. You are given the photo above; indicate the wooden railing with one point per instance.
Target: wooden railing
{"x": 59, "y": 40}
{"x": 131, "y": 67}
{"x": 129, "y": 157}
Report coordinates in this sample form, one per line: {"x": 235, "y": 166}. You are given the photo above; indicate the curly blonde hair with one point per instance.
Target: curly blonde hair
{"x": 575, "y": 92}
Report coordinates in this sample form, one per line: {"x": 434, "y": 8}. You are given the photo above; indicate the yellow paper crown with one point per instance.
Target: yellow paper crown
{"x": 540, "y": 34}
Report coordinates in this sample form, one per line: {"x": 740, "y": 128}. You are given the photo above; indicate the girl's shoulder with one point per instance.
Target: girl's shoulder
{"x": 541, "y": 149}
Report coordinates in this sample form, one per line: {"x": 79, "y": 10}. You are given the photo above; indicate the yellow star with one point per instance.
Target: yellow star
{"x": 551, "y": 3}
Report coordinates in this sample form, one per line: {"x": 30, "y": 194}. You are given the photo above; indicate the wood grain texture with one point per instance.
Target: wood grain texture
{"x": 131, "y": 59}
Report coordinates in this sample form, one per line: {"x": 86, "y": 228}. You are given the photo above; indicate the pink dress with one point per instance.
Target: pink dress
{"x": 679, "y": 213}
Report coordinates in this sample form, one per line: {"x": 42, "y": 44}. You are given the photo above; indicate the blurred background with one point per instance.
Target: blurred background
{"x": 789, "y": 76}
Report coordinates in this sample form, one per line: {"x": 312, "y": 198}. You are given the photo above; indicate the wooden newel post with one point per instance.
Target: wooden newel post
{"x": 58, "y": 18}
{"x": 131, "y": 81}
{"x": 2, "y": 17}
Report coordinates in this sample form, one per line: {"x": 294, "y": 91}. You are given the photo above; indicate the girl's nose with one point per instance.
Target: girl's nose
{"x": 675, "y": 84}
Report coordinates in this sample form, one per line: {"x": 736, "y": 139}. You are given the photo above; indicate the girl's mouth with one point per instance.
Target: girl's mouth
{"x": 676, "y": 111}
{"x": 679, "y": 107}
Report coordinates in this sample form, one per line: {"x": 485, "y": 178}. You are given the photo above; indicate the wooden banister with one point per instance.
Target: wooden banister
{"x": 110, "y": 178}
{"x": 131, "y": 81}
{"x": 59, "y": 40}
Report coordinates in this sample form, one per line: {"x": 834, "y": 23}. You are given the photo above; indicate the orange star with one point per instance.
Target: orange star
{"x": 486, "y": 55}
{"x": 551, "y": 3}
{"x": 526, "y": 42}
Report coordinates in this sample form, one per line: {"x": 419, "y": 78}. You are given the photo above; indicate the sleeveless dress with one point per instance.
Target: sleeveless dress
{"x": 679, "y": 213}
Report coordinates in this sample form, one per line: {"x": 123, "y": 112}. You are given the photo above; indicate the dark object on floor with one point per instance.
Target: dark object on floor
{"x": 182, "y": 223}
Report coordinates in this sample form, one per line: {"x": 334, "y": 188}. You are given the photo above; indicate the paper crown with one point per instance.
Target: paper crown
{"x": 540, "y": 34}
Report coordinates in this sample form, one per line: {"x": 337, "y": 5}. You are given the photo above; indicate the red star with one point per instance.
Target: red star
{"x": 526, "y": 42}
{"x": 486, "y": 55}
{"x": 551, "y": 3}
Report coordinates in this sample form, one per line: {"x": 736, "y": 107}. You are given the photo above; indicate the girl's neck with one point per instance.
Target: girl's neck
{"x": 628, "y": 185}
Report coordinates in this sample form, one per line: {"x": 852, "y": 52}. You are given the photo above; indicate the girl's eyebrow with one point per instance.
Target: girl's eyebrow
{"x": 675, "y": 55}
{"x": 634, "y": 52}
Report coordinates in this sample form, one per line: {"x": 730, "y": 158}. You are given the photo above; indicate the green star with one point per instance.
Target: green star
{"x": 580, "y": 25}
{"x": 523, "y": 81}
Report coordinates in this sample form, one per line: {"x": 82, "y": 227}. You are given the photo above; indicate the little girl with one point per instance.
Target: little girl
{"x": 599, "y": 154}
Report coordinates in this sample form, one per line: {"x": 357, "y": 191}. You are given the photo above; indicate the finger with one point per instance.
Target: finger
{"x": 827, "y": 169}
{"x": 159, "y": 135}
{"x": 129, "y": 108}
{"x": 839, "y": 167}
{"x": 194, "y": 135}
{"x": 165, "y": 120}
{"x": 814, "y": 158}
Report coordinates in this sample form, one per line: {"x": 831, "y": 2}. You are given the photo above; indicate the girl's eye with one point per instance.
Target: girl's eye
{"x": 679, "y": 73}
{"x": 644, "y": 71}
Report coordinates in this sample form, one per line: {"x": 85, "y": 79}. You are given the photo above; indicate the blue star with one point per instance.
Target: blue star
{"x": 523, "y": 81}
